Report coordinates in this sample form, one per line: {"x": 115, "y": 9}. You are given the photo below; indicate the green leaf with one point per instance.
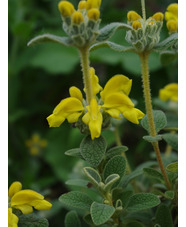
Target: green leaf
{"x": 113, "y": 46}
{"x": 152, "y": 139}
{"x": 173, "y": 167}
{"x": 87, "y": 218}
{"x": 116, "y": 165}
{"x": 101, "y": 213}
{"x": 134, "y": 224}
{"x": 159, "y": 120}
{"x": 71, "y": 219}
{"x": 93, "y": 175}
{"x": 116, "y": 151}
{"x": 50, "y": 38}
{"x": 76, "y": 199}
{"x": 168, "y": 56}
{"x": 77, "y": 182}
{"x": 137, "y": 172}
{"x": 171, "y": 139}
{"x": 93, "y": 150}
{"x": 112, "y": 179}
{"x": 76, "y": 152}
{"x": 169, "y": 195}
{"x": 152, "y": 173}
{"x": 142, "y": 201}
{"x": 109, "y": 30}
{"x": 31, "y": 220}
{"x": 167, "y": 43}
{"x": 163, "y": 216}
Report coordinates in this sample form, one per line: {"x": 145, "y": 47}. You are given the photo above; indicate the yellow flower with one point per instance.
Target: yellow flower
{"x": 93, "y": 118}
{"x": 171, "y": 16}
{"x": 136, "y": 24}
{"x": 93, "y": 4}
{"x": 24, "y": 200}
{"x": 70, "y": 108}
{"x": 158, "y": 16}
{"x": 35, "y": 144}
{"x": 96, "y": 88}
{"x": 133, "y": 16}
{"x": 66, "y": 8}
{"x": 77, "y": 18}
{"x": 82, "y": 5}
{"x": 93, "y": 14}
{"x": 169, "y": 92}
{"x": 116, "y": 100}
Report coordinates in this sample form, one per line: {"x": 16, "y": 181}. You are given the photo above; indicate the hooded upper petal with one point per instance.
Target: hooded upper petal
{"x": 118, "y": 83}
{"x": 14, "y": 188}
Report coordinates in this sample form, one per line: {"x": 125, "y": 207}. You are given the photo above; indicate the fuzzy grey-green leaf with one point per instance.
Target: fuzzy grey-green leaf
{"x": 171, "y": 139}
{"x": 31, "y": 220}
{"x": 113, "y": 46}
{"x": 116, "y": 165}
{"x": 152, "y": 139}
{"x": 106, "y": 32}
{"x": 163, "y": 216}
{"x": 71, "y": 219}
{"x": 116, "y": 151}
{"x": 76, "y": 199}
{"x": 152, "y": 173}
{"x": 75, "y": 152}
{"x": 50, "y": 38}
{"x": 160, "y": 121}
{"x": 101, "y": 213}
{"x": 113, "y": 178}
{"x": 167, "y": 43}
{"x": 142, "y": 201}
{"x": 92, "y": 175}
{"x": 93, "y": 151}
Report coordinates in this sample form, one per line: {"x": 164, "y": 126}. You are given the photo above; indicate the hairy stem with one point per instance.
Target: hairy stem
{"x": 143, "y": 9}
{"x": 84, "y": 55}
{"x": 148, "y": 103}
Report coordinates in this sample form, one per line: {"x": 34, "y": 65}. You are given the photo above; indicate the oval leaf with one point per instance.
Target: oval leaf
{"x": 93, "y": 175}
{"x": 93, "y": 150}
{"x": 101, "y": 213}
{"x": 74, "y": 153}
{"x": 152, "y": 173}
{"x": 171, "y": 139}
{"x": 116, "y": 151}
{"x": 160, "y": 121}
{"x": 142, "y": 201}
{"x": 110, "y": 181}
{"x": 76, "y": 199}
{"x": 163, "y": 216}
{"x": 71, "y": 219}
{"x": 116, "y": 165}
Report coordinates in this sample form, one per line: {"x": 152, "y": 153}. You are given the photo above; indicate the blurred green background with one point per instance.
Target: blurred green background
{"x": 40, "y": 76}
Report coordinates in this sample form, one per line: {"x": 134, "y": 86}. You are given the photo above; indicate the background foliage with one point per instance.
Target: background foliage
{"x": 39, "y": 77}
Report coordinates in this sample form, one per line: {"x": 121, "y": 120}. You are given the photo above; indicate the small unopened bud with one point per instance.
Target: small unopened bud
{"x": 93, "y": 14}
{"x": 151, "y": 22}
{"x": 77, "y": 18}
{"x": 172, "y": 26}
{"x": 82, "y": 5}
{"x": 133, "y": 16}
{"x": 158, "y": 16}
{"x": 66, "y": 8}
{"x": 93, "y": 4}
{"x": 136, "y": 25}
{"x": 76, "y": 93}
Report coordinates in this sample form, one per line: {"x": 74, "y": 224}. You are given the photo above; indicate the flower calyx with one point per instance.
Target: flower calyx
{"x": 81, "y": 25}
{"x": 145, "y": 33}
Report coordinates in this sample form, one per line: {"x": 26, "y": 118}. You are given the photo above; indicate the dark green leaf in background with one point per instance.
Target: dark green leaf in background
{"x": 72, "y": 220}
{"x": 31, "y": 220}
{"x": 163, "y": 216}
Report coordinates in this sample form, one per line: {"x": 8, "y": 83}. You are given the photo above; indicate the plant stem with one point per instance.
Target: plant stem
{"x": 148, "y": 103}
{"x": 84, "y": 55}
{"x": 143, "y": 9}
{"x": 119, "y": 143}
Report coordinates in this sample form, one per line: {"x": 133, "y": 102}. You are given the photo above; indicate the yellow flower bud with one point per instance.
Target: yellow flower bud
{"x": 133, "y": 16}
{"x": 93, "y": 4}
{"x": 136, "y": 25}
{"x": 76, "y": 93}
{"x": 93, "y": 14}
{"x": 77, "y": 18}
{"x": 172, "y": 26}
{"x": 158, "y": 16}
{"x": 66, "y": 8}
{"x": 82, "y": 5}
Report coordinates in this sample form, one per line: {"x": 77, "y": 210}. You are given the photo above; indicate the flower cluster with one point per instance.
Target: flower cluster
{"x": 145, "y": 33}
{"x": 169, "y": 92}
{"x": 171, "y": 16}
{"x": 24, "y": 200}
{"x": 82, "y": 24}
{"x": 113, "y": 101}
{"x": 35, "y": 144}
